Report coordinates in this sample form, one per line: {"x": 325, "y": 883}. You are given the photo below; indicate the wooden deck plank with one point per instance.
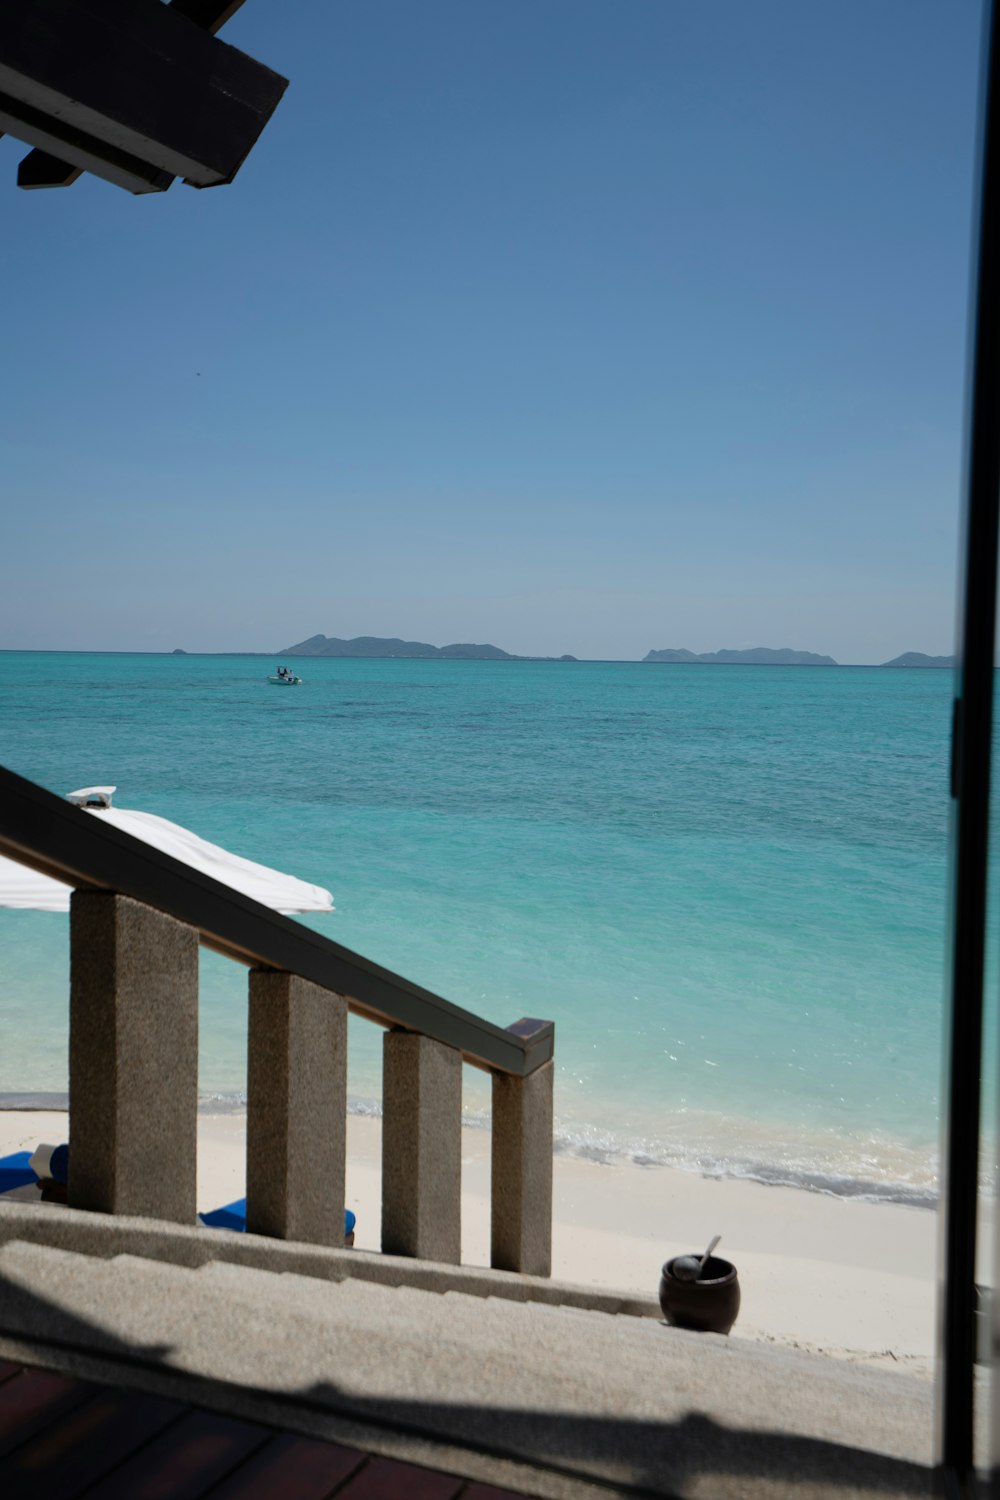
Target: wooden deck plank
{"x": 86, "y": 1445}
{"x": 65, "y": 1437}
{"x": 386, "y": 1479}
{"x": 32, "y": 1399}
{"x": 184, "y": 1462}
{"x": 292, "y": 1467}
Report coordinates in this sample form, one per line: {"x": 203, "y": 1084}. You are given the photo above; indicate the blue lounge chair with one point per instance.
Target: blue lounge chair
{"x": 234, "y": 1216}
{"x": 15, "y": 1172}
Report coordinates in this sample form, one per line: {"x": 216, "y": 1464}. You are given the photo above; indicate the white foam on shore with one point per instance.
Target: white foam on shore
{"x": 875, "y": 1170}
{"x": 895, "y": 1176}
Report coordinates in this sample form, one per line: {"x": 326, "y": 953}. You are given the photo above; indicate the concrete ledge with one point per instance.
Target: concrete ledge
{"x": 106, "y": 1235}
{"x": 476, "y": 1386}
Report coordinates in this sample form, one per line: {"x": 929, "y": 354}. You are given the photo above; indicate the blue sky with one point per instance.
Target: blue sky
{"x": 577, "y": 326}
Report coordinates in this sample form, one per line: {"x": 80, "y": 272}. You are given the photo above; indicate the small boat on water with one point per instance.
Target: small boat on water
{"x": 285, "y": 678}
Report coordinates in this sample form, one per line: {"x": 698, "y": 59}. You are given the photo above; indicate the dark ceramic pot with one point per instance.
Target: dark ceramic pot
{"x": 709, "y": 1304}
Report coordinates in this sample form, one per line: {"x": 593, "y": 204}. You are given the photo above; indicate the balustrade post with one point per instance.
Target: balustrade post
{"x": 521, "y": 1176}
{"x": 421, "y": 1148}
{"x": 133, "y": 1059}
{"x": 296, "y": 1109}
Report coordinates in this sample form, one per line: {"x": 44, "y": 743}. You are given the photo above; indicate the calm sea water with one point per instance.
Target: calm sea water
{"x": 725, "y": 885}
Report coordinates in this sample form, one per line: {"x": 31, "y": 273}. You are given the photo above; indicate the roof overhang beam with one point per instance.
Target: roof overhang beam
{"x": 135, "y": 91}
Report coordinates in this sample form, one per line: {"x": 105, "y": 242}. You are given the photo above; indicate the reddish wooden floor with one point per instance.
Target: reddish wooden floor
{"x": 61, "y": 1438}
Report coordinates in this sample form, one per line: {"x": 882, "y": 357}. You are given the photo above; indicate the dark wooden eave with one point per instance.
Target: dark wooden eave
{"x": 135, "y": 91}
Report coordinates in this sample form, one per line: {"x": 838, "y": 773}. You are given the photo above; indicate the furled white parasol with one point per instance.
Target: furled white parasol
{"x": 28, "y": 890}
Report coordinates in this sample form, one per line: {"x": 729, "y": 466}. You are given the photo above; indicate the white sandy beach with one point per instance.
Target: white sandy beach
{"x": 848, "y": 1278}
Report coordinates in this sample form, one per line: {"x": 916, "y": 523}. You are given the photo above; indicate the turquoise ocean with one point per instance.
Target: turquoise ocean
{"x": 726, "y": 885}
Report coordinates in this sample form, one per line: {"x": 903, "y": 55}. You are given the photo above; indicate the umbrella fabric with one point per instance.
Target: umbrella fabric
{"x": 27, "y": 890}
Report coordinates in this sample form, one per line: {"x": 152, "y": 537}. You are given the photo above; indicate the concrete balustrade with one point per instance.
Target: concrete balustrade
{"x": 296, "y": 1109}
{"x": 134, "y": 1099}
{"x": 521, "y": 1180}
{"x": 133, "y": 1059}
{"x": 422, "y": 1158}
{"x": 136, "y": 924}
{"x": 421, "y": 1148}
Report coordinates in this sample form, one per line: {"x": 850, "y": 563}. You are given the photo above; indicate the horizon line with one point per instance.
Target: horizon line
{"x": 558, "y": 661}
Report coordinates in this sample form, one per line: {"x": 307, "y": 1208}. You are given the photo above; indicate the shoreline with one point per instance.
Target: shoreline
{"x": 846, "y": 1277}
{"x": 595, "y": 1144}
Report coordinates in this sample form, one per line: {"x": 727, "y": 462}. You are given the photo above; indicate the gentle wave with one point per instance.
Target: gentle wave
{"x": 914, "y": 1183}
{"x": 801, "y": 1176}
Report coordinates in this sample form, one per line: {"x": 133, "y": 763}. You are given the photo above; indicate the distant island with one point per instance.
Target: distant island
{"x": 393, "y": 647}
{"x": 376, "y": 645}
{"x": 757, "y": 656}
{"x": 918, "y": 659}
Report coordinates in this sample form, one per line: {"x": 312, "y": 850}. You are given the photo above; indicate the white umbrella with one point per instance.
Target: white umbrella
{"x": 28, "y": 890}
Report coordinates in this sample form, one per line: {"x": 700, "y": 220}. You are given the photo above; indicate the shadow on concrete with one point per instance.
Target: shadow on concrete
{"x": 673, "y": 1458}
{"x": 40, "y": 1322}
{"x": 692, "y": 1454}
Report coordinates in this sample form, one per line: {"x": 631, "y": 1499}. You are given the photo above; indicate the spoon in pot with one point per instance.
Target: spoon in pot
{"x": 690, "y": 1267}
{"x": 704, "y": 1259}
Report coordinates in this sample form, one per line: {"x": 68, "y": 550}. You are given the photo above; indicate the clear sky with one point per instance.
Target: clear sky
{"x": 577, "y": 326}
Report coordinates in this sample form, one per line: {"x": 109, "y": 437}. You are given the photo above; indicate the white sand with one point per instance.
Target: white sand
{"x": 848, "y": 1278}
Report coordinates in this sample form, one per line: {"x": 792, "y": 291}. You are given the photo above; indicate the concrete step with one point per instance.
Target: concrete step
{"x": 106, "y": 1235}
{"x": 550, "y": 1399}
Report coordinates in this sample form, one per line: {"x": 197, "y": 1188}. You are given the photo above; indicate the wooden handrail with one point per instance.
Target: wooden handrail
{"x": 49, "y": 834}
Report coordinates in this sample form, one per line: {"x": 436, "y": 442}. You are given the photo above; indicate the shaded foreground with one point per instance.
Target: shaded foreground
{"x": 62, "y": 1436}
{"x": 543, "y": 1399}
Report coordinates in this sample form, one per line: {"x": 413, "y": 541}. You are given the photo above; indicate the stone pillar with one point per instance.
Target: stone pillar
{"x": 521, "y": 1229}
{"x": 421, "y": 1148}
{"x": 296, "y": 1109}
{"x": 133, "y": 1059}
